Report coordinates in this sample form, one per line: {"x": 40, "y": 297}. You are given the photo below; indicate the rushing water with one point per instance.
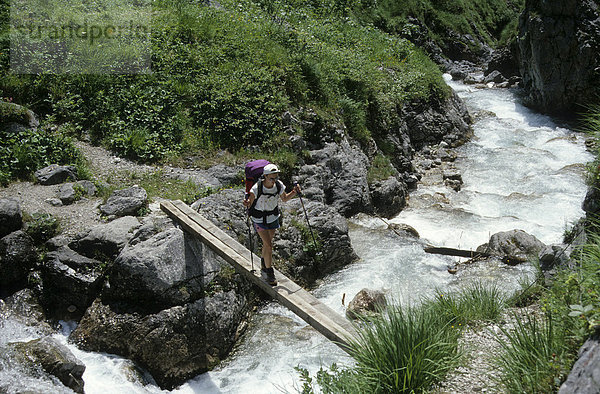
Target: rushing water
{"x": 520, "y": 171}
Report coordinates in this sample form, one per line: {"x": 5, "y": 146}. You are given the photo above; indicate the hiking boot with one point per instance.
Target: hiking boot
{"x": 270, "y": 276}
{"x": 262, "y": 264}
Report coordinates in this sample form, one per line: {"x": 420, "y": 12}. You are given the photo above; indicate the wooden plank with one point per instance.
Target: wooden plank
{"x": 455, "y": 252}
{"x": 287, "y": 292}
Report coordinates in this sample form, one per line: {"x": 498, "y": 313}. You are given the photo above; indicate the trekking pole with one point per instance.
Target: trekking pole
{"x": 251, "y": 246}
{"x": 306, "y": 215}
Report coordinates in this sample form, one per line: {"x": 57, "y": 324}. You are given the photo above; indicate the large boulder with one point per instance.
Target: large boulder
{"x": 174, "y": 344}
{"x": 161, "y": 267}
{"x": 365, "y": 303}
{"x": 11, "y": 218}
{"x": 125, "y": 202}
{"x": 559, "y": 42}
{"x": 17, "y": 257}
{"x": 584, "y": 378}
{"x": 106, "y": 240}
{"x": 55, "y": 174}
{"x": 55, "y": 358}
{"x": 388, "y": 196}
{"x": 12, "y": 113}
{"x": 71, "y": 282}
{"x": 514, "y": 245}
{"x": 24, "y": 307}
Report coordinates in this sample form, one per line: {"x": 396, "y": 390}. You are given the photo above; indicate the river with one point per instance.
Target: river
{"x": 520, "y": 171}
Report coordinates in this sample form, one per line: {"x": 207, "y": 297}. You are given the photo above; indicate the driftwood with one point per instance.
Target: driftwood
{"x": 455, "y": 252}
{"x": 510, "y": 260}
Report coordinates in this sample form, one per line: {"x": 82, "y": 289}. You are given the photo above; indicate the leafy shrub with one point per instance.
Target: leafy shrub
{"x": 42, "y": 226}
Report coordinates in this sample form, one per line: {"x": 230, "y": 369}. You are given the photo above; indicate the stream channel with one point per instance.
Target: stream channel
{"x": 520, "y": 171}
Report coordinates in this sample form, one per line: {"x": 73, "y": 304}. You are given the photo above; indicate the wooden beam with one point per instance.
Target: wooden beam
{"x": 455, "y": 252}
{"x": 289, "y": 294}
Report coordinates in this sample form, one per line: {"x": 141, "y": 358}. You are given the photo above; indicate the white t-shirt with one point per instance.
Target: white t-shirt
{"x": 267, "y": 202}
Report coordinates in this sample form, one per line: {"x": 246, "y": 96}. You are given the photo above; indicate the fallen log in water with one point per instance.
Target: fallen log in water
{"x": 511, "y": 260}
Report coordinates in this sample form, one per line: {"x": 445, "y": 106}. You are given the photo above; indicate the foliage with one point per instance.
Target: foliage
{"x": 381, "y": 169}
{"x": 41, "y": 227}
{"x": 223, "y": 76}
{"x": 23, "y": 151}
{"x": 533, "y": 358}
{"x": 492, "y": 20}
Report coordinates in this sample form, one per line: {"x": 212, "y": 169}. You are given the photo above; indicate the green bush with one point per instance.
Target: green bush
{"x": 23, "y": 151}
{"x": 41, "y": 227}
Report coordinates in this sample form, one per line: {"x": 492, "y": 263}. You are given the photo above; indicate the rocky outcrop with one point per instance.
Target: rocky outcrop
{"x": 106, "y": 240}
{"x": 55, "y": 358}
{"x": 167, "y": 291}
{"x": 293, "y": 243}
{"x": 11, "y": 218}
{"x": 559, "y": 42}
{"x": 17, "y": 257}
{"x": 584, "y": 378}
{"x": 71, "y": 282}
{"x": 514, "y": 245}
{"x": 125, "y": 202}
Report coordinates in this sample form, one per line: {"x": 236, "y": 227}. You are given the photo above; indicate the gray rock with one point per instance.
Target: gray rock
{"x": 17, "y": 258}
{"x": 337, "y": 176}
{"x": 71, "y": 282}
{"x": 554, "y": 256}
{"x": 55, "y": 358}
{"x": 365, "y": 303}
{"x": 71, "y": 192}
{"x": 125, "y": 202}
{"x": 25, "y": 307}
{"x": 161, "y": 268}
{"x": 192, "y": 338}
{"x": 495, "y": 77}
{"x": 11, "y": 113}
{"x": 106, "y": 239}
{"x": 558, "y": 45}
{"x": 584, "y": 378}
{"x": 389, "y": 197}
{"x": 402, "y": 228}
{"x": 55, "y": 174}
{"x": 515, "y": 244}
{"x": 11, "y": 218}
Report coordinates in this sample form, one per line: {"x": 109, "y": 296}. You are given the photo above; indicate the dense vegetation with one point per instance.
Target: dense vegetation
{"x": 223, "y": 74}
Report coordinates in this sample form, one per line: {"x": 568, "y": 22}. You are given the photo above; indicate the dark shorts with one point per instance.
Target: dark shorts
{"x": 269, "y": 226}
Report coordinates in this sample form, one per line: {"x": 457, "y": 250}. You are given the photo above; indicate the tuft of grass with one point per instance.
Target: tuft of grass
{"x": 533, "y": 359}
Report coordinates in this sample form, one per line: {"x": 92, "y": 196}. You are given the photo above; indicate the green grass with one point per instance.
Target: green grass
{"x": 410, "y": 349}
{"x": 223, "y": 76}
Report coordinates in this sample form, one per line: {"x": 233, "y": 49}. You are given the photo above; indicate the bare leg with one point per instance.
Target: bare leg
{"x": 267, "y": 247}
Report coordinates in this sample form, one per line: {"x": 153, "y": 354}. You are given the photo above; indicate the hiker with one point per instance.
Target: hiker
{"x": 263, "y": 204}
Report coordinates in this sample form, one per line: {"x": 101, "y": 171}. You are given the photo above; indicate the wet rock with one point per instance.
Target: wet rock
{"x": 192, "y": 338}
{"x": 388, "y": 196}
{"x": 71, "y": 282}
{"x": 55, "y": 358}
{"x": 495, "y": 77}
{"x": 514, "y": 245}
{"x": 552, "y": 256}
{"x": 11, "y": 218}
{"x": 25, "y": 307}
{"x": 584, "y": 378}
{"x": 452, "y": 178}
{"x": 504, "y": 60}
{"x": 68, "y": 193}
{"x": 365, "y": 303}
{"x": 125, "y": 202}
{"x": 106, "y": 240}
{"x": 55, "y": 174}
{"x": 17, "y": 258}
{"x": 402, "y": 228}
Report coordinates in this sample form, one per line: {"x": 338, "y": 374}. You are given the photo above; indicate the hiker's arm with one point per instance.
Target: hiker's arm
{"x": 288, "y": 196}
{"x": 248, "y": 201}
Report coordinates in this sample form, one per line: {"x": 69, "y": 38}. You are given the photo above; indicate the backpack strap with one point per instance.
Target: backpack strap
{"x": 263, "y": 214}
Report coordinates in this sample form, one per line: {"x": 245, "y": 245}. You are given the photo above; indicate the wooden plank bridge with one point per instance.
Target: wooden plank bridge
{"x": 324, "y": 319}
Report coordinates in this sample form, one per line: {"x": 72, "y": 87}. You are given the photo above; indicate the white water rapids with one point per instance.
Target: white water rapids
{"x": 520, "y": 171}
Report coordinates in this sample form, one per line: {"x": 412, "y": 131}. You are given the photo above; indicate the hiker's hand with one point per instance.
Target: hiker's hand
{"x": 297, "y": 188}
